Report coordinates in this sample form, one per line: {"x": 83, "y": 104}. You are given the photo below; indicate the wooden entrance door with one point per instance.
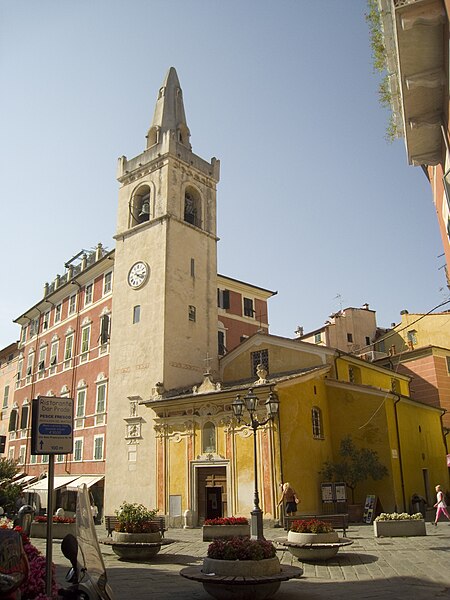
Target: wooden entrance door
{"x": 212, "y": 493}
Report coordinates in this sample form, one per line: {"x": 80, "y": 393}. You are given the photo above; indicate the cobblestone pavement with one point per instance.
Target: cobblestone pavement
{"x": 372, "y": 568}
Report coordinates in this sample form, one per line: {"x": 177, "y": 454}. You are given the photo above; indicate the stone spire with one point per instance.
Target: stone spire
{"x": 169, "y": 113}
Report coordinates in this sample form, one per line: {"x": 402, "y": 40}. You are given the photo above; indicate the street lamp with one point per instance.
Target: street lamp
{"x": 250, "y": 402}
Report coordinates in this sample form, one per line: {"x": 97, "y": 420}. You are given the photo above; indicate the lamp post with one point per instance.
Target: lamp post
{"x": 250, "y": 402}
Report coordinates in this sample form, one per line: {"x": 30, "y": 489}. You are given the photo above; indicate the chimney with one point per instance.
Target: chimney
{"x": 366, "y": 306}
{"x": 299, "y": 331}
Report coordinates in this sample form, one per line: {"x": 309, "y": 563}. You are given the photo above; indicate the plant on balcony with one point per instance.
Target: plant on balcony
{"x": 135, "y": 518}
{"x": 227, "y": 521}
{"x": 238, "y": 548}
{"x": 311, "y": 526}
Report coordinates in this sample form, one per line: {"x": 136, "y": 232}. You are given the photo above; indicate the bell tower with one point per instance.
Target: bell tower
{"x": 164, "y": 316}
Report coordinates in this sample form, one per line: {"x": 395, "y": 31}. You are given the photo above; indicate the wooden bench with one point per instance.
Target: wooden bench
{"x": 338, "y": 521}
{"x": 111, "y": 522}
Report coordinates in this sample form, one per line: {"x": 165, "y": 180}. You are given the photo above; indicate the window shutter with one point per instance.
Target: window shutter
{"x": 226, "y": 299}
{"x": 104, "y": 329}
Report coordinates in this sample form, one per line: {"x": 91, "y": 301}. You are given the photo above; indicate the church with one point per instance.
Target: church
{"x": 158, "y": 350}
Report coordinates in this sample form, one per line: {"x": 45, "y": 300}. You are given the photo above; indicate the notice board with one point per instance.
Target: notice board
{"x": 370, "y": 508}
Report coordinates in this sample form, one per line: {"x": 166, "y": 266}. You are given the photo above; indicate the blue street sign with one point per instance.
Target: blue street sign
{"x": 54, "y": 429}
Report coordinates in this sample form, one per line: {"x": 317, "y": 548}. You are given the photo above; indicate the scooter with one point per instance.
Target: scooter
{"x": 87, "y": 577}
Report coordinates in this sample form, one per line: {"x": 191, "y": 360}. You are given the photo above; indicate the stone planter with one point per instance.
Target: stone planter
{"x": 399, "y": 528}
{"x": 313, "y": 538}
{"x": 211, "y": 532}
{"x": 136, "y": 538}
{"x": 59, "y": 530}
{"x": 257, "y": 569}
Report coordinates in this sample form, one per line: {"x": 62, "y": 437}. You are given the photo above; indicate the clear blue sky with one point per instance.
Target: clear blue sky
{"x": 313, "y": 202}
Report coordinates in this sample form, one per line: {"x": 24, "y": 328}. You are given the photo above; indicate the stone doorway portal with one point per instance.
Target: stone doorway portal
{"x": 211, "y": 493}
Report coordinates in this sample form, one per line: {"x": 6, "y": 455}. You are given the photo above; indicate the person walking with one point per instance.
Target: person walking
{"x": 289, "y": 496}
{"x": 440, "y": 506}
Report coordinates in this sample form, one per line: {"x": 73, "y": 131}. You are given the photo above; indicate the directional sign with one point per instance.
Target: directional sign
{"x": 52, "y": 425}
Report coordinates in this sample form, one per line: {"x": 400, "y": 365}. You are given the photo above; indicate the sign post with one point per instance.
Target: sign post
{"x": 51, "y": 433}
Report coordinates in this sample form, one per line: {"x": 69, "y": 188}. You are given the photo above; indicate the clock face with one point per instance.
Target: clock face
{"x": 138, "y": 274}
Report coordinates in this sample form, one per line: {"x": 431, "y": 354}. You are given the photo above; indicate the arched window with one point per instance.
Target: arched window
{"x": 209, "y": 438}
{"x": 192, "y": 208}
{"x": 140, "y": 206}
{"x": 317, "y": 429}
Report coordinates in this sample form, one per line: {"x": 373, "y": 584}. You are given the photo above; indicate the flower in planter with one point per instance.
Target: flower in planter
{"x": 311, "y": 526}
{"x": 5, "y": 523}
{"x": 227, "y": 521}
{"x": 43, "y": 519}
{"x": 135, "y": 518}
{"x": 238, "y": 548}
{"x": 399, "y": 517}
{"x": 34, "y": 587}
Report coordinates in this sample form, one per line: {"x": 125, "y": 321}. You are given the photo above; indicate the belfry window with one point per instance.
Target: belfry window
{"x": 140, "y": 206}
{"x": 209, "y": 438}
{"x": 192, "y": 212}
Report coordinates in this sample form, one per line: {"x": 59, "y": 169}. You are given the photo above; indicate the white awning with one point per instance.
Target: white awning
{"x": 27, "y": 479}
{"x": 89, "y": 480}
{"x": 42, "y": 485}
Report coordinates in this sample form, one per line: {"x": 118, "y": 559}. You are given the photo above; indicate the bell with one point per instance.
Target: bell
{"x": 145, "y": 210}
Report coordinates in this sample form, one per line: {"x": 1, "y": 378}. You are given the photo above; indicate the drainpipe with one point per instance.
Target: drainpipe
{"x": 445, "y": 430}
{"x": 281, "y": 517}
{"x": 399, "y": 451}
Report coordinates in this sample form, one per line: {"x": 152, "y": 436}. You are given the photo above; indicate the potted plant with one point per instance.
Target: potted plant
{"x": 137, "y": 535}
{"x": 399, "y": 525}
{"x": 356, "y": 465}
{"x": 312, "y": 540}
{"x": 225, "y": 527}
{"x": 61, "y": 527}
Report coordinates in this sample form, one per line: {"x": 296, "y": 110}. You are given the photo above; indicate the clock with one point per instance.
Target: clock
{"x": 138, "y": 274}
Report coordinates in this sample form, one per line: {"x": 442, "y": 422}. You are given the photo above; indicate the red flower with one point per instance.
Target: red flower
{"x": 227, "y": 521}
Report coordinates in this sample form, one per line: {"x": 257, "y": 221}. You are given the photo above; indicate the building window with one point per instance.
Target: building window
{"x": 41, "y": 361}
{"x": 100, "y": 404}
{"x": 98, "y": 447}
{"x": 34, "y": 327}
{"x": 223, "y": 298}
{"x": 23, "y": 334}
{"x": 209, "y": 438}
{"x": 78, "y": 450}
{"x": 88, "y": 294}
{"x": 412, "y": 337}
{"x": 30, "y": 362}
{"x": 53, "y": 356}
{"x": 349, "y": 337}
{"x": 45, "y": 321}
{"x": 33, "y": 459}
{"x": 221, "y": 343}
{"x": 260, "y": 357}
{"x": 394, "y": 385}
{"x": 367, "y": 341}
{"x": 85, "y": 339}
{"x": 192, "y": 313}
{"x": 60, "y": 458}
{"x": 68, "y": 350}
{"x": 72, "y": 304}
{"x": 22, "y": 452}
{"x": 13, "y": 420}
{"x": 136, "y": 313}
{"x": 5, "y": 396}
{"x": 447, "y": 358}
{"x": 107, "y": 283}
{"x": 104, "y": 329}
{"x": 316, "y": 416}
{"x": 248, "y": 307}
{"x": 58, "y": 309}
{"x": 80, "y": 409}
{"x": 11, "y": 453}
{"x": 45, "y": 458}
{"x": 192, "y": 267}
{"x": 24, "y": 417}
{"x": 318, "y": 338}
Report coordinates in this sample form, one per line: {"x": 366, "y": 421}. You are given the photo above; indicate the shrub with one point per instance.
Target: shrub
{"x": 227, "y": 521}
{"x": 312, "y": 526}
{"x": 135, "y": 518}
{"x": 238, "y": 548}
{"x": 399, "y": 517}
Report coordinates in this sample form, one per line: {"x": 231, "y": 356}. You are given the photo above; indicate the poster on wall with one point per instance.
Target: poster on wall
{"x": 340, "y": 492}
{"x": 327, "y": 493}
{"x": 369, "y": 508}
